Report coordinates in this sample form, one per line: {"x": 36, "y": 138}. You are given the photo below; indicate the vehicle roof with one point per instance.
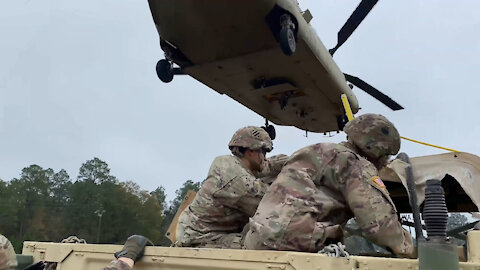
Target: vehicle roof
{"x": 459, "y": 172}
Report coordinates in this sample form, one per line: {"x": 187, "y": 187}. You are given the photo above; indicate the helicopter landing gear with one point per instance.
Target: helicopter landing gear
{"x": 342, "y": 120}
{"x": 270, "y": 130}
{"x": 166, "y": 71}
{"x": 286, "y": 37}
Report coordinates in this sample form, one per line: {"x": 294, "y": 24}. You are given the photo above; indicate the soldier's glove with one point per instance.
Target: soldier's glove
{"x": 35, "y": 266}
{"x": 134, "y": 248}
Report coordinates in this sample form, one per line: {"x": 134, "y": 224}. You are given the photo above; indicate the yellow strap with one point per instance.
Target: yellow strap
{"x": 346, "y": 106}
{"x": 427, "y": 144}
{"x": 348, "y": 111}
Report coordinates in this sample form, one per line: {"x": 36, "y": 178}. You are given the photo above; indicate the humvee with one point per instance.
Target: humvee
{"x": 458, "y": 190}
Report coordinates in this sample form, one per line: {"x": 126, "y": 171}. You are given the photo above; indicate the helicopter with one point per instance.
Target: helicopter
{"x": 265, "y": 55}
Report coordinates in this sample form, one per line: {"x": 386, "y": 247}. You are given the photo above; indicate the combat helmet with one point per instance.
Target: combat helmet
{"x": 254, "y": 138}
{"x": 374, "y": 135}
{"x": 7, "y": 254}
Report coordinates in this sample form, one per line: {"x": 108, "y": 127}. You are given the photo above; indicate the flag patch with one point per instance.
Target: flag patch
{"x": 378, "y": 182}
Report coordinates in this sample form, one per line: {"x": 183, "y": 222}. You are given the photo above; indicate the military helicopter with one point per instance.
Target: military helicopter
{"x": 265, "y": 55}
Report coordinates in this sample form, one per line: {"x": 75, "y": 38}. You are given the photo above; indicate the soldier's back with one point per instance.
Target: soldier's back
{"x": 306, "y": 198}
{"x": 219, "y": 207}
{"x": 220, "y": 191}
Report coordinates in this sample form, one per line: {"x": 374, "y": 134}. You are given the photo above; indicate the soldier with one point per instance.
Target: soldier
{"x": 322, "y": 186}
{"x": 8, "y": 260}
{"x": 230, "y": 194}
{"x": 132, "y": 252}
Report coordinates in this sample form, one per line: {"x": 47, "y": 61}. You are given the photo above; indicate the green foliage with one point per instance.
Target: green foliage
{"x": 180, "y": 195}
{"x": 160, "y": 196}
{"x": 96, "y": 171}
{"x": 456, "y": 220}
{"x": 30, "y": 205}
{"x": 43, "y": 205}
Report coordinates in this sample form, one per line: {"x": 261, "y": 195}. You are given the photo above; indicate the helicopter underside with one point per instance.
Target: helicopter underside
{"x": 215, "y": 43}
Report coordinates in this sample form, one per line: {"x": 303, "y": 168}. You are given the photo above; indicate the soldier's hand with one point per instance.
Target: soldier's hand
{"x": 134, "y": 248}
{"x": 35, "y": 266}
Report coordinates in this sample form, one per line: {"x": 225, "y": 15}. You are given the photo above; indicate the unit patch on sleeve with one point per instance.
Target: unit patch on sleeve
{"x": 378, "y": 182}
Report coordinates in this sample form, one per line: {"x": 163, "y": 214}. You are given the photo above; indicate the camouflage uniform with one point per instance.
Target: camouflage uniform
{"x": 272, "y": 169}
{"x": 321, "y": 187}
{"x": 8, "y": 258}
{"x": 227, "y": 198}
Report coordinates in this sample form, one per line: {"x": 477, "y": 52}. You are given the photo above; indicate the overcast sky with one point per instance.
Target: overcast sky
{"x": 77, "y": 81}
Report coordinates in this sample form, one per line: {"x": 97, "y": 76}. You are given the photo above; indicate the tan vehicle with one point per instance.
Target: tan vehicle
{"x": 262, "y": 53}
{"x": 94, "y": 257}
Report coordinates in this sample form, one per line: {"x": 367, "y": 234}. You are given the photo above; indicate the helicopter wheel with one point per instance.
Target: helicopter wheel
{"x": 287, "y": 41}
{"x": 286, "y": 37}
{"x": 164, "y": 71}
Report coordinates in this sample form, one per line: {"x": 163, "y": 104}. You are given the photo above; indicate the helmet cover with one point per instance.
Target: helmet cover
{"x": 253, "y": 138}
{"x": 374, "y": 134}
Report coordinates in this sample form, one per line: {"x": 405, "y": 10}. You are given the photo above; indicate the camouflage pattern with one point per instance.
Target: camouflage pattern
{"x": 272, "y": 168}
{"x": 374, "y": 135}
{"x": 222, "y": 206}
{"x": 8, "y": 258}
{"x": 117, "y": 265}
{"x": 253, "y": 138}
{"x": 320, "y": 188}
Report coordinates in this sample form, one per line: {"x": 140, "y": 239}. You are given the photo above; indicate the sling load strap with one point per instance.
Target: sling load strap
{"x": 346, "y": 106}
{"x": 348, "y": 111}
{"x": 427, "y": 144}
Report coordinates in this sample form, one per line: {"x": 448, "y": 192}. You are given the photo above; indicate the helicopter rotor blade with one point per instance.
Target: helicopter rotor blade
{"x": 372, "y": 91}
{"x": 353, "y": 22}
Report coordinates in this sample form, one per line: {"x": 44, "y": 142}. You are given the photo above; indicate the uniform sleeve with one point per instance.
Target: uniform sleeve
{"x": 7, "y": 254}
{"x": 234, "y": 186}
{"x": 117, "y": 265}
{"x": 372, "y": 206}
{"x": 254, "y": 190}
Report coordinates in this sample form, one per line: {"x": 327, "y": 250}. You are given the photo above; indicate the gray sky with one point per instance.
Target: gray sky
{"x": 77, "y": 81}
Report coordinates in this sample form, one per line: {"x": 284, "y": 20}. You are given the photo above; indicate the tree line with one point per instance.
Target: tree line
{"x": 44, "y": 205}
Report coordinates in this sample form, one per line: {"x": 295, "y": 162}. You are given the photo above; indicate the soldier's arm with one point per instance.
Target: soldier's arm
{"x": 118, "y": 265}
{"x": 242, "y": 192}
{"x": 273, "y": 167}
{"x": 253, "y": 191}
{"x": 372, "y": 207}
{"x": 131, "y": 252}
